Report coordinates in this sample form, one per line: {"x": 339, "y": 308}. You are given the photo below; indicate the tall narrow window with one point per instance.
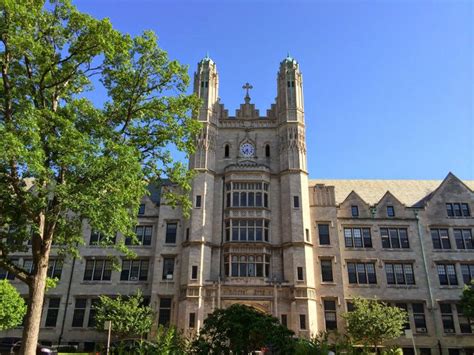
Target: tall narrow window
{"x": 323, "y": 231}
{"x": 226, "y": 151}
{"x": 355, "y": 211}
{"x": 440, "y": 238}
{"x": 390, "y": 211}
{"x": 53, "y": 311}
{"x": 192, "y": 320}
{"x": 303, "y": 321}
{"x": 187, "y": 234}
{"x": 296, "y": 201}
{"x": 267, "y": 150}
{"x": 419, "y": 317}
{"x": 168, "y": 268}
{"x": 198, "y": 201}
{"x": 171, "y": 229}
{"x": 447, "y": 317}
{"x": 141, "y": 209}
{"x": 194, "y": 272}
{"x": 330, "y": 314}
{"x": 164, "y": 315}
{"x": 300, "y": 273}
{"x": 79, "y": 312}
{"x": 284, "y": 320}
{"x": 326, "y": 271}
{"x": 307, "y": 235}
{"x": 464, "y": 322}
{"x": 447, "y": 274}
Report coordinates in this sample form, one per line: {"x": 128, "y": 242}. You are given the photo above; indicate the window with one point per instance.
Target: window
{"x": 168, "y": 268}
{"x": 284, "y": 320}
{"x": 164, "y": 315}
{"x": 463, "y": 238}
{"x": 350, "y": 306}
{"x": 394, "y": 238}
{"x": 440, "y": 238}
{"x": 307, "y": 235}
{"x": 404, "y": 307}
{"x": 143, "y": 234}
{"x": 198, "y": 201}
{"x": 330, "y": 314}
{"x": 52, "y": 313}
{"x": 267, "y": 151}
{"x": 300, "y": 273}
{"x": 355, "y": 211}
{"x": 237, "y": 265}
{"x": 98, "y": 270}
{"x": 171, "y": 231}
{"x": 467, "y": 271}
{"x": 303, "y": 321}
{"x": 246, "y": 194}
{"x": 399, "y": 274}
{"x": 361, "y": 273}
{"x": 192, "y": 320}
{"x": 390, "y": 211}
{"x": 323, "y": 231}
{"x": 226, "y": 151}
{"x": 194, "y": 272}
{"x": 55, "y": 268}
{"x": 296, "y": 201}
{"x": 91, "y": 323}
{"x": 357, "y": 238}
{"x": 79, "y": 312}
{"x": 419, "y": 317}
{"x": 465, "y": 324}
{"x": 98, "y": 238}
{"x": 458, "y": 210}
{"x": 141, "y": 209}
{"x": 447, "y": 274}
{"x": 187, "y": 234}
{"x": 326, "y": 271}
{"x": 247, "y": 230}
{"x": 447, "y": 317}
{"x": 134, "y": 270}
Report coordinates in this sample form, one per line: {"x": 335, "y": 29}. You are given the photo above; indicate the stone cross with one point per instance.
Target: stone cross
{"x": 247, "y": 87}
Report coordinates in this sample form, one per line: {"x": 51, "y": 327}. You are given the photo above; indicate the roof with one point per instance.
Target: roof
{"x": 408, "y": 192}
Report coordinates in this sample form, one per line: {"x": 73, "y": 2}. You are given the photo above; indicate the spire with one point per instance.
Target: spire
{"x": 289, "y": 59}
{"x": 206, "y": 59}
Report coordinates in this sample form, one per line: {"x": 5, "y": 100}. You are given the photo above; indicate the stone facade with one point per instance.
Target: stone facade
{"x": 263, "y": 234}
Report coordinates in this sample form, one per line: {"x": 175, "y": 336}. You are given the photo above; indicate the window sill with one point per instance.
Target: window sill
{"x": 324, "y": 246}
{"x": 407, "y": 287}
{"x": 364, "y": 285}
{"x": 449, "y": 287}
{"x": 133, "y": 281}
{"x": 328, "y": 283}
{"x": 398, "y": 249}
{"x": 96, "y": 282}
{"x": 359, "y": 249}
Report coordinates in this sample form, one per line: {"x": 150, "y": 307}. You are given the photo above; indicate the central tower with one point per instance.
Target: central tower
{"x": 247, "y": 239}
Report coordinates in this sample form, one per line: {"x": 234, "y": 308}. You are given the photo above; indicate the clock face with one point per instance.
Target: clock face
{"x": 247, "y": 149}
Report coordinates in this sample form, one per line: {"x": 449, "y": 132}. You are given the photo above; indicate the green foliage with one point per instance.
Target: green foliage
{"x": 373, "y": 322}
{"x": 12, "y": 306}
{"x": 169, "y": 341}
{"x": 63, "y": 159}
{"x": 467, "y": 300}
{"x": 128, "y": 315}
{"x": 322, "y": 343}
{"x": 242, "y": 329}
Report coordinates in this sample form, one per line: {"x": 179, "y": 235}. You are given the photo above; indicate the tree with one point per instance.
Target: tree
{"x": 62, "y": 159}
{"x": 467, "y": 300}
{"x": 12, "y": 306}
{"x": 241, "y": 329}
{"x": 129, "y": 317}
{"x": 373, "y": 322}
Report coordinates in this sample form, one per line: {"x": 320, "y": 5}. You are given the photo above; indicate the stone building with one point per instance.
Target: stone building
{"x": 263, "y": 234}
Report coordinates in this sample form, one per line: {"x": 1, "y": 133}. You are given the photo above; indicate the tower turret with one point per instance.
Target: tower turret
{"x": 290, "y": 91}
{"x": 206, "y": 86}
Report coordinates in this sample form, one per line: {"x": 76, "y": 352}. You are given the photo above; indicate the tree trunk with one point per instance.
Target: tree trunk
{"x": 35, "y": 307}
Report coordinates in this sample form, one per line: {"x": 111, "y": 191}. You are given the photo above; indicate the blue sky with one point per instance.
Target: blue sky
{"x": 388, "y": 85}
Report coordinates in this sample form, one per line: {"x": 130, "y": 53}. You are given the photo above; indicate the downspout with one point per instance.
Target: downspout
{"x": 425, "y": 266}
{"x": 68, "y": 294}
{"x": 221, "y": 246}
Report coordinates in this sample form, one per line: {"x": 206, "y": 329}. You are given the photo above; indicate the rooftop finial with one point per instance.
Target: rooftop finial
{"x": 247, "y": 87}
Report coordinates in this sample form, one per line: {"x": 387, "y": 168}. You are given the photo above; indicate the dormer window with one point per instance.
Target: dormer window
{"x": 226, "y": 151}
{"x": 458, "y": 210}
{"x": 355, "y": 211}
{"x": 390, "y": 211}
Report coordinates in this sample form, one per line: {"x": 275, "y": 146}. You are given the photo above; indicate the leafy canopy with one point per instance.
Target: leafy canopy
{"x": 129, "y": 317}
{"x": 373, "y": 322}
{"x": 12, "y": 306}
{"x": 64, "y": 159}
{"x": 467, "y": 300}
{"x": 241, "y": 329}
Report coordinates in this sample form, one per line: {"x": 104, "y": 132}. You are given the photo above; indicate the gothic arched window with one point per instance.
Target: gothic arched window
{"x": 267, "y": 150}
{"x": 226, "y": 151}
